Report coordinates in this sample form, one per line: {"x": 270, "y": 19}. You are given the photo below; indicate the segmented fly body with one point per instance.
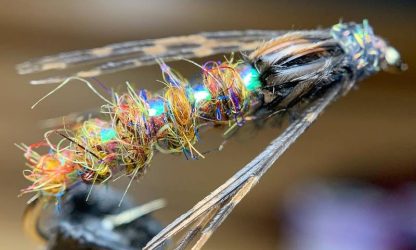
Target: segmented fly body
{"x": 277, "y": 71}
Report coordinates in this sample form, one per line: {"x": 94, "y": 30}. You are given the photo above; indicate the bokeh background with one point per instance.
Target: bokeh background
{"x": 366, "y": 137}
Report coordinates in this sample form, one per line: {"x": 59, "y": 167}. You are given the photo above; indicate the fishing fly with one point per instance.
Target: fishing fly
{"x": 277, "y": 71}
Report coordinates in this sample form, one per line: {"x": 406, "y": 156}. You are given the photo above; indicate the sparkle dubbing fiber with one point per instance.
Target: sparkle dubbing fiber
{"x": 141, "y": 123}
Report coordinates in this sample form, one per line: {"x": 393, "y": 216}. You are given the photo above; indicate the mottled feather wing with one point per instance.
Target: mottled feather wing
{"x": 135, "y": 54}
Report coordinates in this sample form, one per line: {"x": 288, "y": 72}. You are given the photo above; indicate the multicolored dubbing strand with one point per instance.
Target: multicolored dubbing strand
{"x": 141, "y": 123}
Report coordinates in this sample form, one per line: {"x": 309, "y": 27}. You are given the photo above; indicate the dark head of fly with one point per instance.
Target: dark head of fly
{"x": 366, "y": 50}
{"x": 300, "y": 63}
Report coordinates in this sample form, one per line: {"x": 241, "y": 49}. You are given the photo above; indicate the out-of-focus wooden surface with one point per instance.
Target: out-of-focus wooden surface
{"x": 369, "y": 133}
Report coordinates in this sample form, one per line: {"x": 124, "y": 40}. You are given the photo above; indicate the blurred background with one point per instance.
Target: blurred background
{"x": 358, "y": 157}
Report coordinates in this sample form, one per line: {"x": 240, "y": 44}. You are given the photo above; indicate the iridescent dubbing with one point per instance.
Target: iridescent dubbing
{"x": 142, "y": 123}
{"x": 360, "y": 43}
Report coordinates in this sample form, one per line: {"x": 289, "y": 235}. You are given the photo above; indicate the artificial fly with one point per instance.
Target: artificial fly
{"x": 291, "y": 68}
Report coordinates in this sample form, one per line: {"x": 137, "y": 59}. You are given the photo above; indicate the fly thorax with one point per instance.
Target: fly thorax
{"x": 295, "y": 64}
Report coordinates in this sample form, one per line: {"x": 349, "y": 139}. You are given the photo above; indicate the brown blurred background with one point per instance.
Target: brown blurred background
{"x": 370, "y": 134}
